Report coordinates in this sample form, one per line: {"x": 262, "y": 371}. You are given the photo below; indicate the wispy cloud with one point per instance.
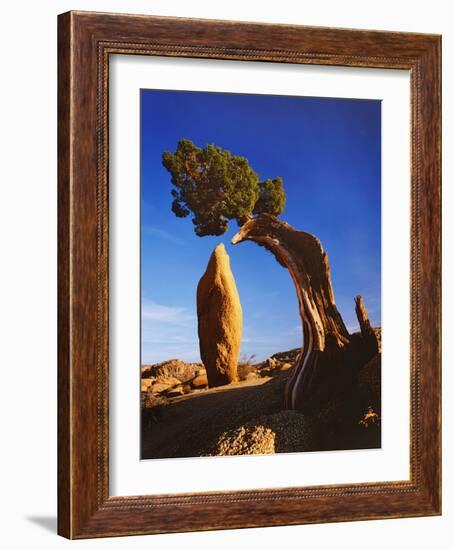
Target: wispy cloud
{"x": 163, "y": 351}
{"x": 247, "y": 340}
{"x": 168, "y": 332}
{"x": 152, "y": 311}
{"x": 162, "y": 234}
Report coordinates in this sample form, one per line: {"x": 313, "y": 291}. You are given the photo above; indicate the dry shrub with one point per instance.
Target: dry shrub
{"x": 246, "y": 366}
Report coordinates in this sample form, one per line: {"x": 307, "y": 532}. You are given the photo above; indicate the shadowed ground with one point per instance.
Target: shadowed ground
{"x": 189, "y": 425}
{"x": 248, "y": 418}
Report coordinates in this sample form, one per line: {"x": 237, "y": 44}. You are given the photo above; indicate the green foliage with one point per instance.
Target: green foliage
{"x": 272, "y": 197}
{"x": 216, "y": 186}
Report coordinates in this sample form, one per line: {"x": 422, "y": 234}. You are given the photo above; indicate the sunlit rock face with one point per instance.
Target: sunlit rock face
{"x": 219, "y": 319}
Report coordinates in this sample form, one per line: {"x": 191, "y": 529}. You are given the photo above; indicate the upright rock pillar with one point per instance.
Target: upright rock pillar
{"x": 219, "y": 320}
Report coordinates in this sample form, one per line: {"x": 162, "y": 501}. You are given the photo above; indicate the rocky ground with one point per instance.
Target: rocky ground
{"x": 182, "y": 417}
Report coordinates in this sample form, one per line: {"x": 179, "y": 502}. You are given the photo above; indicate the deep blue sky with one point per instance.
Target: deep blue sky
{"x": 328, "y": 152}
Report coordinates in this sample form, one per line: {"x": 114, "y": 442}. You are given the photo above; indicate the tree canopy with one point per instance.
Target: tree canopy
{"x": 215, "y": 186}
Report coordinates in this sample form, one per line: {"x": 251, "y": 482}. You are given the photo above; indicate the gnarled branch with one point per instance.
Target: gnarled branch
{"x": 331, "y": 356}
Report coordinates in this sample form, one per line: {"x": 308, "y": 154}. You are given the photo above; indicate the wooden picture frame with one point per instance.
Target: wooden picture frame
{"x": 85, "y": 42}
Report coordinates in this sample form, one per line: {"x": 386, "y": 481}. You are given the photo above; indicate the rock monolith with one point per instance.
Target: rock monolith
{"x": 219, "y": 320}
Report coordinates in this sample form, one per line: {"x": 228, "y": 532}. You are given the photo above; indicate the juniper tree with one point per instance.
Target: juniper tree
{"x": 215, "y": 186}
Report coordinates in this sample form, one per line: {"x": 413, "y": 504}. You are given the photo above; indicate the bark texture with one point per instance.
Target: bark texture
{"x": 331, "y": 356}
{"x": 219, "y": 320}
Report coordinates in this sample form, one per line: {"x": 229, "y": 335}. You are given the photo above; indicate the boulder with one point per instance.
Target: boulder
{"x": 171, "y": 368}
{"x": 200, "y": 381}
{"x": 175, "y": 392}
{"x": 159, "y": 388}
{"x": 219, "y": 320}
{"x": 285, "y": 366}
{"x": 282, "y": 432}
{"x": 146, "y": 371}
{"x": 289, "y": 356}
{"x": 271, "y": 363}
{"x": 145, "y": 384}
{"x": 169, "y": 380}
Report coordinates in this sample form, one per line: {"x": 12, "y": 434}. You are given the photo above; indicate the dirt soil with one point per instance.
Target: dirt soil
{"x": 248, "y": 417}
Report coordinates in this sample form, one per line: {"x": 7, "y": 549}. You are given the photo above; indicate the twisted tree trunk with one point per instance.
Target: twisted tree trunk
{"x": 331, "y": 356}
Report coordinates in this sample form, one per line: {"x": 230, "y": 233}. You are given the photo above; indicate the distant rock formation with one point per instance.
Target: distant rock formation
{"x": 219, "y": 320}
{"x": 171, "y": 368}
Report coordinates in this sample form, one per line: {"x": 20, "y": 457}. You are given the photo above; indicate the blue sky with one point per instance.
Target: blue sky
{"x": 328, "y": 152}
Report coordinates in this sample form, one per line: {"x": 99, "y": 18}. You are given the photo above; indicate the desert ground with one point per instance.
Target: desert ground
{"x": 183, "y": 417}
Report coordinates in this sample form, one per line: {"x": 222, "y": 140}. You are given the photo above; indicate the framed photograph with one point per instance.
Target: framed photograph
{"x": 249, "y": 275}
